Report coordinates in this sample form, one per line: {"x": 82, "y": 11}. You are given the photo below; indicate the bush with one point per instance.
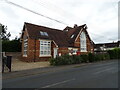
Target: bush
{"x": 76, "y": 59}
{"x": 66, "y": 59}
{"x": 91, "y": 57}
{"x": 62, "y": 60}
{"x": 85, "y": 58}
{"x": 114, "y": 54}
{"x": 106, "y": 56}
{"x": 52, "y": 61}
{"x": 11, "y": 46}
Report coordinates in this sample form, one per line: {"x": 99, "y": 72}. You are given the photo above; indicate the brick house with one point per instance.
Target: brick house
{"x": 40, "y": 43}
{"x": 104, "y": 47}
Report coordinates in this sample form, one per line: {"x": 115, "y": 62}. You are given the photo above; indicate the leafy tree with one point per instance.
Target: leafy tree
{"x": 11, "y": 45}
{"x": 3, "y": 32}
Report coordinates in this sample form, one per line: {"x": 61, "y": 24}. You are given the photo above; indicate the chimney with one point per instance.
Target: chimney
{"x": 75, "y": 25}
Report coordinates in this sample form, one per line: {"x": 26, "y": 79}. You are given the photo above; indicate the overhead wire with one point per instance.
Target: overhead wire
{"x": 60, "y": 9}
{"x": 32, "y": 11}
{"x": 12, "y": 3}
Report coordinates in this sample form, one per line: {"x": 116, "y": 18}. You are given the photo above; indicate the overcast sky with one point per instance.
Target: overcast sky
{"x": 101, "y": 16}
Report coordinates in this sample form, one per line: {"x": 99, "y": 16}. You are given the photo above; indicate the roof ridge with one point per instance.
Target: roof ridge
{"x": 43, "y": 26}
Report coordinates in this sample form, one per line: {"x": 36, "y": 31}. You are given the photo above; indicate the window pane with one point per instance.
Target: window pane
{"x": 83, "y": 41}
{"x": 46, "y": 48}
{"x": 41, "y": 52}
{"x": 25, "y": 46}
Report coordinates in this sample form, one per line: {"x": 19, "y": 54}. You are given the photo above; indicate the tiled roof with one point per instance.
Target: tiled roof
{"x": 61, "y": 37}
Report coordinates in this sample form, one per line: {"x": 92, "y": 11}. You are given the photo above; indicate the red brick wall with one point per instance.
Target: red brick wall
{"x": 32, "y": 54}
{"x": 63, "y": 50}
{"x": 89, "y": 45}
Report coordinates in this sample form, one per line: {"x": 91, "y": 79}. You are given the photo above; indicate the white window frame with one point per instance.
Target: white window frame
{"x": 83, "y": 44}
{"x": 45, "y": 48}
{"x": 75, "y": 51}
{"x": 25, "y": 47}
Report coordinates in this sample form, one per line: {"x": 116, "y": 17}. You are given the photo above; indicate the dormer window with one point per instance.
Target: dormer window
{"x": 43, "y": 33}
{"x": 72, "y": 36}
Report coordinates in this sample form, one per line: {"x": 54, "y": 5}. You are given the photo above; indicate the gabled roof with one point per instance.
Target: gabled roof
{"x": 61, "y": 37}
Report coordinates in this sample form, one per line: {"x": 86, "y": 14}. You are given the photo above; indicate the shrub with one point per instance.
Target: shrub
{"x": 52, "y": 61}
{"x": 11, "y": 46}
{"x": 76, "y": 59}
{"x": 106, "y": 56}
{"x": 97, "y": 57}
{"x": 62, "y": 60}
{"x": 66, "y": 59}
{"x": 114, "y": 54}
{"x": 91, "y": 57}
{"x": 84, "y": 58}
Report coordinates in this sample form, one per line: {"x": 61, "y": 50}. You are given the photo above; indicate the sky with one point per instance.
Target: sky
{"x": 101, "y": 16}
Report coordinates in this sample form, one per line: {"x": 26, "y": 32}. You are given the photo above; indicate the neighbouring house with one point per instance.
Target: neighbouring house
{"x": 103, "y": 47}
{"x": 39, "y": 43}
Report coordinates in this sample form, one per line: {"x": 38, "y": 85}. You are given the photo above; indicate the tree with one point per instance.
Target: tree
{"x": 3, "y": 32}
{"x": 11, "y": 45}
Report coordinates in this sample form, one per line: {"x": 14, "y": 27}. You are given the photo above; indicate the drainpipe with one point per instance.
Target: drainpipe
{"x": 35, "y": 50}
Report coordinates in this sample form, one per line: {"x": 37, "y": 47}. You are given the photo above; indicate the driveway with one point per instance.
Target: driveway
{"x": 18, "y": 65}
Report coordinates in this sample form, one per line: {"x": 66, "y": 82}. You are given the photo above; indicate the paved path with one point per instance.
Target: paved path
{"x": 96, "y": 75}
{"x": 18, "y": 65}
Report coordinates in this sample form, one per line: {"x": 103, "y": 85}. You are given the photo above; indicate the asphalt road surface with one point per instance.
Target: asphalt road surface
{"x": 96, "y": 75}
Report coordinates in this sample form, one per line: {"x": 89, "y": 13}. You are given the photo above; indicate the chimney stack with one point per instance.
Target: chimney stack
{"x": 75, "y": 25}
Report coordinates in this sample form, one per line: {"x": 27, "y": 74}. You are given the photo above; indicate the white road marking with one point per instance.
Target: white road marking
{"x": 105, "y": 64}
{"x": 103, "y": 70}
{"x": 58, "y": 83}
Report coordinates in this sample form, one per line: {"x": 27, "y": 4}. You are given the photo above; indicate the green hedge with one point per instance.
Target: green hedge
{"x": 115, "y": 53}
{"x": 66, "y": 59}
{"x": 63, "y": 60}
{"x": 11, "y": 46}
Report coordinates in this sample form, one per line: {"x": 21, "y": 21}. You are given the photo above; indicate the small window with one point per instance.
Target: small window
{"x": 72, "y": 36}
{"x": 43, "y": 33}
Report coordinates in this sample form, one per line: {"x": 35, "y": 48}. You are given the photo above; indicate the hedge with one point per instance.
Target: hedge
{"x": 115, "y": 53}
{"x": 66, "y": 59}
{"x": 11, "y": 46}
{"x": 91, "y": 57}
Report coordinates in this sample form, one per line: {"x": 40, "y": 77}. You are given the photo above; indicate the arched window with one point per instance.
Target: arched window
{"x": 83, "y": 45}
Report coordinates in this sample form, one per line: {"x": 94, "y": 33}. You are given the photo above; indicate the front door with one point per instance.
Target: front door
{"x": 55, "y": 52}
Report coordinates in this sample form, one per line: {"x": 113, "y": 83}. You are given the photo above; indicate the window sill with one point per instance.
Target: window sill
{"x": 45, "y": 56}
{"x": 24, "y": 55}
{"x": 83, "y": 51}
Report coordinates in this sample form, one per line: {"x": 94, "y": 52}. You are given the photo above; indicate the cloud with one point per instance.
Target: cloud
{"x": 101, "y": 16}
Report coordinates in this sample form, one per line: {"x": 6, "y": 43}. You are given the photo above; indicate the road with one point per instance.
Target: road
{"x": 95, "y": 75}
